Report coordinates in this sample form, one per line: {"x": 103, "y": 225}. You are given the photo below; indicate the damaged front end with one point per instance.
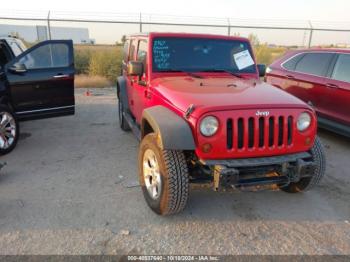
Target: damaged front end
{"x": 241, "y": 173}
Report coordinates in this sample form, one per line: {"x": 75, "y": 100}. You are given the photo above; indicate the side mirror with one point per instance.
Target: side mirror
{"x": 18, "y": 68}
{"x": 262, "y": 70}
{"x": 135, "y": 68}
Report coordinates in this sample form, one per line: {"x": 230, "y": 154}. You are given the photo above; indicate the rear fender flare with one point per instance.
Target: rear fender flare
{"x": 122, "y": 91}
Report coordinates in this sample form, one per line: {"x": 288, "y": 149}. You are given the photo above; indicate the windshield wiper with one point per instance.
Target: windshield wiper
{"x": 222, "y": 70}
{"x": 182, "y": 71}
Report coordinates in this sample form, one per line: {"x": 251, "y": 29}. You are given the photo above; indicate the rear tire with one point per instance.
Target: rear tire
{"x": 167, "y": 170}
{"x": 307, "y": 183}
{"x": 122, "y": 121}
{"x": 9, "y": 130}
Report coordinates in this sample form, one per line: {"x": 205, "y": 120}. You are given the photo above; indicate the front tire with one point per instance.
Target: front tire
{"x": 307, "y": 183}
{"x": 163, "y": 176}
{"x": 9, "y": 130}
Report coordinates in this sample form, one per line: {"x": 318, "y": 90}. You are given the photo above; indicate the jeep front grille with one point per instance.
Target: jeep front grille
{"x": 259, "y": 132}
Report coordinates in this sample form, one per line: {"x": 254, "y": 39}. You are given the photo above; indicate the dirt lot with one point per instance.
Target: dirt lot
{"x": 70, "y": 187}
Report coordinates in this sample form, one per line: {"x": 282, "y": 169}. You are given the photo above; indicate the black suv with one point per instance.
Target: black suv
{"x": 34, "y": 83}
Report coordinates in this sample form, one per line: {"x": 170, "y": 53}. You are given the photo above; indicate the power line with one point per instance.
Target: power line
{"x": 163, "y": 19}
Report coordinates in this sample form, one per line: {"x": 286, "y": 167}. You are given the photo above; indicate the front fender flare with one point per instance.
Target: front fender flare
{"x": 173, "y": 132}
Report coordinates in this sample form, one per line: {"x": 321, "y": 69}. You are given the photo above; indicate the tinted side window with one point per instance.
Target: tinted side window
{"x": 132, "y": 51}
{"x": 126, "y": 51}
{"x": 342, "y": 68}
{"x": 4, "y": 55}
{"x": 142, "y": 53}
{"x": 47, "y": 56}
{"x": 314, "y": 63}
{"x": 291, "y": 63}
{"x": 16, "y": 49}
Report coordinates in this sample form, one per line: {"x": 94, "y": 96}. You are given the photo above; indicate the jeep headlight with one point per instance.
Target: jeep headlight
{"x": 304, "y": 121}
{"x": 209, "y": 126}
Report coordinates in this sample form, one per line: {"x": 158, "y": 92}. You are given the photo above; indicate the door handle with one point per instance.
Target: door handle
{"x": 60, "y": 76}
{"x": 148, "y": 95}
{"x": 331, "y": 85}
{"x": 290, "y": 77}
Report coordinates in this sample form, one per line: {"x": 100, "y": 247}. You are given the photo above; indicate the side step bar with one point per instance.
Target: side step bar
{"x": 134, "y": 127}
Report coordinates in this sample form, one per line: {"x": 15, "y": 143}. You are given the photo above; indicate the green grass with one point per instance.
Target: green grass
{"x": 266, "y": 55}
{"x": 98, "y": 60}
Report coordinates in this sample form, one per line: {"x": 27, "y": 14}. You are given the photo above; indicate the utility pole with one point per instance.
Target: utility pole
{"x": 228, "y": 27}
{"x": 48, "y": 25}
{"x": 310, "y": 36}
{"x": 140, "y": 23}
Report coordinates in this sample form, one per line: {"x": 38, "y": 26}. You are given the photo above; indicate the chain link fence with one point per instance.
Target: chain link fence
{"x": 107, "y": 28}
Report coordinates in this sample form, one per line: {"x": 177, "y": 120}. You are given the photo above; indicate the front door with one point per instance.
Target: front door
{"x": 41, "y": 80}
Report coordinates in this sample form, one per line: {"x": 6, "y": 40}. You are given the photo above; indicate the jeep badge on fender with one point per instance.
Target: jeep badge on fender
{"x": 208, "y": 118}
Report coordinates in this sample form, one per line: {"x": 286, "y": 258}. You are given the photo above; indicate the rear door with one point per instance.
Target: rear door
{"x": 124, "y": 66}
{"x": 308, "y": 78}
{"x": 131, "y": 79}
{"x": 336, "y": 104}
{"x": 41, "y": 80}
{"x": 140, "y": 94}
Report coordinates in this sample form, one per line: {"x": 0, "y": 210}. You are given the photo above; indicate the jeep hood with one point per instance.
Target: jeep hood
{"x": 221, "y": 93}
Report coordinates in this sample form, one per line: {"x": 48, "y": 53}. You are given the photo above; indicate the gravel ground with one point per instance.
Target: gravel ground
{"x": 70, "y": 187}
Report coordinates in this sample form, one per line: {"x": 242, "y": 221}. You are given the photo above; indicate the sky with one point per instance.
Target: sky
{"x": 296, "y": 10}
{"x": 336, "y": 10}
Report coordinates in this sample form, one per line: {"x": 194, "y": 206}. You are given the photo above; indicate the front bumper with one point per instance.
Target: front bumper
{"x": 256, "y": 171}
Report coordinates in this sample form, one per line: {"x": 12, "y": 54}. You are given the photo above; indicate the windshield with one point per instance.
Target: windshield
{"x": 201, "y": 54}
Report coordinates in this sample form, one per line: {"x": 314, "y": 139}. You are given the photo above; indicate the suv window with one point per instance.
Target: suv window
{"x": 4, "y": 55}
{"x": 314, "y": 63}
{"x": 47, "y": 56}
{"x": 126, "y": 51}
{"x": 291, "y": 63}
{"x": 132, "y": 51}
{"x": 16, "y": 49}
{"x": 342, "y": 68}
{"x": 142, "y": 53}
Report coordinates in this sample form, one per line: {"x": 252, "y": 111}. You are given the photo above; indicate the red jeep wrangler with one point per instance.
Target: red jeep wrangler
{"x": 203, "y": 116}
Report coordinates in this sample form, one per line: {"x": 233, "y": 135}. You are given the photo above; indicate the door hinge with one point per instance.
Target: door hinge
{"x": 189, "y": 111}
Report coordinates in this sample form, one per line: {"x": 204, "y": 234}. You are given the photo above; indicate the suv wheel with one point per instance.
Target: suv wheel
{"x": 307, "y": 183}
{"x": 122, "y": 121}
{"x": 9, "y": 130}
{"x": 163, "y": 177}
